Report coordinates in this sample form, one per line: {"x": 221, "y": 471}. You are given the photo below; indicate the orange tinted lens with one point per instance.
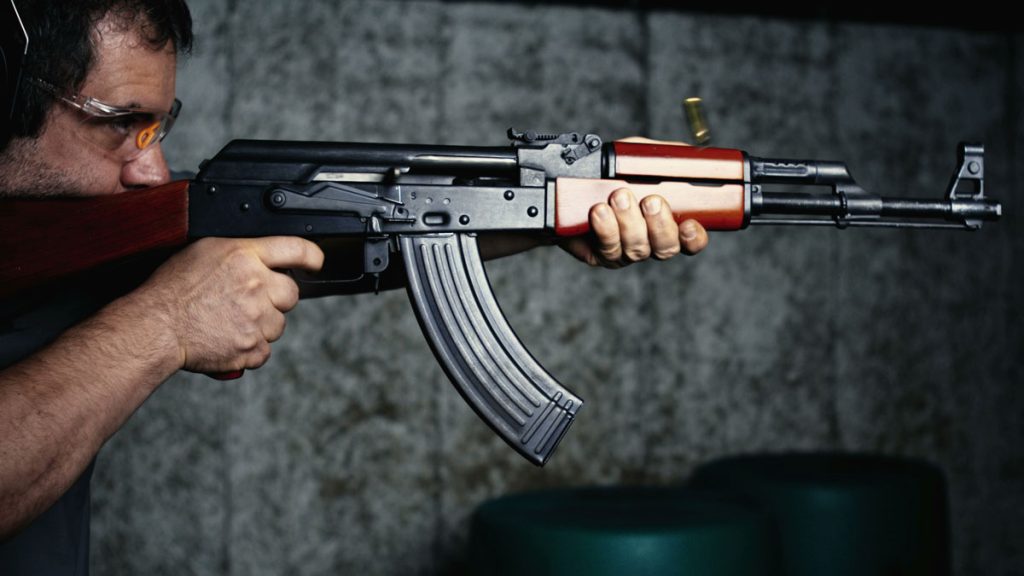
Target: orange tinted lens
{"x": 147, "y": 135}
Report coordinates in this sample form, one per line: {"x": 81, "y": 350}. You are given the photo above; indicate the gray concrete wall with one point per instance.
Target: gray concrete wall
{"x": 350, "y": 452}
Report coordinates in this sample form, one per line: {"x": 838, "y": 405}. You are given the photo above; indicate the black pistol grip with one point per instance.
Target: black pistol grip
{"x": 481, "y": 354}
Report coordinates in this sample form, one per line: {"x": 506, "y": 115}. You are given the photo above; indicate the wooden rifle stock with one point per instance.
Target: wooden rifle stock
{"x": 45, "y": 239}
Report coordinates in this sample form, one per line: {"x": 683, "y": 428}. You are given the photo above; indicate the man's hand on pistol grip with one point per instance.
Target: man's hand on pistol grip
{"x": 224, "y": 300}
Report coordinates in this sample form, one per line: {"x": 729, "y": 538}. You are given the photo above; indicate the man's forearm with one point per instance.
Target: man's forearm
{"x": 60, "y": 405}
{"x": 213, "y": 307}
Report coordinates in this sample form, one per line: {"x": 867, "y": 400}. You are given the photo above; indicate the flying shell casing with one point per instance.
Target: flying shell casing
{"x": 694, "y": 110}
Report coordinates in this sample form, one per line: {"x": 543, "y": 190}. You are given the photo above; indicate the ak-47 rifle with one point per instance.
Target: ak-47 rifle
{"x": 427, "y": 204}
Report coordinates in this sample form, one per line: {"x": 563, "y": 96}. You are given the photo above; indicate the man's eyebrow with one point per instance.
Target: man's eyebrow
{"x": 137, "y": 106}
{"x": 132, "y": 104}
{"x": 128, "y": 104}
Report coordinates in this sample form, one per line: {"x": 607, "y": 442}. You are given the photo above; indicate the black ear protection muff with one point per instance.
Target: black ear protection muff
{"x": 13, "y": 48}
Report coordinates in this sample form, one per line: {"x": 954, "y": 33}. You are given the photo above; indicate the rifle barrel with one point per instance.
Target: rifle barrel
{"x": 803, "y": 204}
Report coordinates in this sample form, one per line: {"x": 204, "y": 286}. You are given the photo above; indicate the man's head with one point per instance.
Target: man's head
{"x": 118, "y": 53}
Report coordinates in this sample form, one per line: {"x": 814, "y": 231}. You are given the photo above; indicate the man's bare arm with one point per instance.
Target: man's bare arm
{"x": 214, "y": 307}
{"x": 60, "y": 405}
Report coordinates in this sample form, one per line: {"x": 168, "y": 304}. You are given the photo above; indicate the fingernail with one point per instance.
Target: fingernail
{"x": 689, "y": 230}
{"x": 621, "y": 200}
{"x": 602, "y": 212}
{"x": 651, "y": 206}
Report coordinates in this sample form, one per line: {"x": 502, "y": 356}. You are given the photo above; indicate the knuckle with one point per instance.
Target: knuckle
{"x": 253, "y": 284}
{"x": 238, "y": 260}
{"x": 611, "y": 254}
{"x": 261, "y": 355}
{"x": 278, "y": 330}
{"x": 248, "y": 341}
{"x": 637, "y": 253}
{"x": 609, "y": 245}
{"x": 251, "y": 313}
{"x": 666, "y": 253}
{"x": 291, "y": 299}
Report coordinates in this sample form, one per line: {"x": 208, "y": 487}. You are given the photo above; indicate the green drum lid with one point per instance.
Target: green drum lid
{"x": 635, "y": 531}
{"x": 844, "y": 513}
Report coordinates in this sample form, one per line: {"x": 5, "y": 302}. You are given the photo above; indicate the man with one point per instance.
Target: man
{"x": 77, "y": 363}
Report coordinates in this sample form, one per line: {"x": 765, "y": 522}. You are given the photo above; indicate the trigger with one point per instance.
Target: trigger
{"x": 375, "y": 255}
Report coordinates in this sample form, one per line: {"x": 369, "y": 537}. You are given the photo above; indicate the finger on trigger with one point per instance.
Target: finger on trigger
{"x": 280, "y": 252}
{"x": 662, "y": 231}
{"x": 606, "y": 230}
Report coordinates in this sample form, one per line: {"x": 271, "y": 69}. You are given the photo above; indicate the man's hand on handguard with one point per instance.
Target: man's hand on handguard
{"x": 223, "y": 300}
{"x": 626, "y": 231}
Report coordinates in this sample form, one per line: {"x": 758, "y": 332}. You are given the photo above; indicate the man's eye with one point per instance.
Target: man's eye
{"x": 121, "y": 124}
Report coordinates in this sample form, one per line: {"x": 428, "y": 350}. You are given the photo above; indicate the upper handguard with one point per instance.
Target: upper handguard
{"x": 479, "y": 351}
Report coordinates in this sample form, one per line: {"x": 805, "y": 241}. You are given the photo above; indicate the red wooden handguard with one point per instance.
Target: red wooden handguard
{"x": 716, "y": 206}
{"x": 677, "y": 161}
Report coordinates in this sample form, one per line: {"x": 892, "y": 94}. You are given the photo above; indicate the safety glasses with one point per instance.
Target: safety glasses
{"x": 124, "y": 132}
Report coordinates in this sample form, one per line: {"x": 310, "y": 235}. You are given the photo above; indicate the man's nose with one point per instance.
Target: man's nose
{"x": 149, "y": 169}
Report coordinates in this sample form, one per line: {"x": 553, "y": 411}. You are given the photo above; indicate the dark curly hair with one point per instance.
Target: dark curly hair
{"x": 61, "y": 49}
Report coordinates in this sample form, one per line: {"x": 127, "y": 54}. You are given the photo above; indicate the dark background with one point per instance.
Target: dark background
{"x": 351, "y": 453}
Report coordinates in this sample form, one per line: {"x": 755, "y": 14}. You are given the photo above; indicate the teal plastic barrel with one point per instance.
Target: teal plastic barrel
{"x": 844, "y": 514}
{"x": 618, "y": 531}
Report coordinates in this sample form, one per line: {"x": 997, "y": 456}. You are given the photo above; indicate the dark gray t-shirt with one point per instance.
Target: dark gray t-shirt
{"x": 56, "y": 542}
